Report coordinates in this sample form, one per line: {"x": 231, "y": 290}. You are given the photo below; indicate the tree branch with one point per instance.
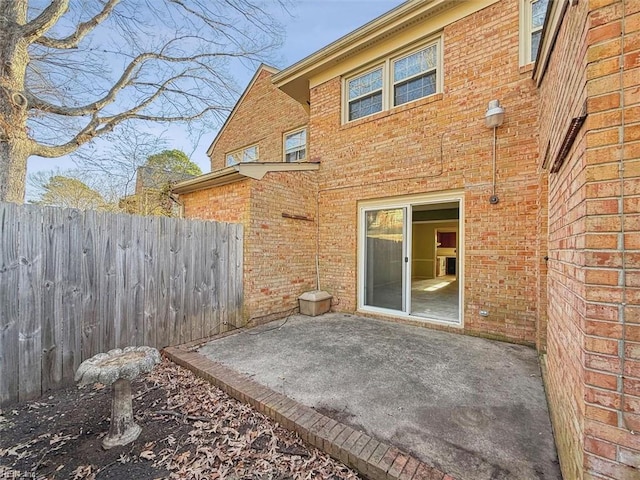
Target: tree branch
{"x": 101, "y": 126}
{"x": 43, "y": 22}
{"x": 83, "y": 29}
{"x": 35, "y": 102}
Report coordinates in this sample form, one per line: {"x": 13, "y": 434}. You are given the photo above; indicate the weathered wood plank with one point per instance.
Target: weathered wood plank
{"x": 52, "y": 320}
{"x": 30, "y": 303}
{"x": 176, "y": 286}
{"x": 91, "y": 341}
{"x": 237, "y": 244}
{"x": 9, "y": 352}
{"x": 187, "y": 285}
{"x": 107, "y": 280}
{"x": 123, "y": 286}
{"x": 205, "y": 260}
{"x": 135, "y": 272}
{"x": 198, "y": 281}
{"x": 151, "y": 267}
{"x": 222, "y": 245}
{"x": 234, "y": 276}
{"x": 71, "y": 278}
{"x": 164, "y": 268}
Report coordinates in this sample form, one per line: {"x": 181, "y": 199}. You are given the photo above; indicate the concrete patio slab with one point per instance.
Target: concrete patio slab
{"x": 469, "y": 407}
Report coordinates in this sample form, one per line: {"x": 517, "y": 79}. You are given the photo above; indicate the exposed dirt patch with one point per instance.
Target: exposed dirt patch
{"x": 190, "y": 429}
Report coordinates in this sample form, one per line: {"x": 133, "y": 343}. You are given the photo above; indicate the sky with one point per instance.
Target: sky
{"x": 312, "y": 25}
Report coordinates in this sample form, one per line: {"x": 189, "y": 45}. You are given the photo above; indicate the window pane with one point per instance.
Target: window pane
{"x": 231, "y": 160}
{"x": 415, "y": 88}
{"x": 384, "y": 254}
{"x": 538, "y": 12}
{"x": 365, "y": 106}
{"x": 366, "y": 83}
{"x": 296, "y": 155}
{"x": 295, "y": 140}
{"x": 250, "y": 154}
{"x": 415, "y": 63}
{"x": 535, "y": 44}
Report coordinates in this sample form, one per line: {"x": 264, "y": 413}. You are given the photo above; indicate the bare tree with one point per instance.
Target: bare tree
{"x": 72, "y": 70}
{"x": 116, "y": 160}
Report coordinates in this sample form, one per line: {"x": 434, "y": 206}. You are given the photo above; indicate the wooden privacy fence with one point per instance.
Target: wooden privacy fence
{"x": 73, "y": 284}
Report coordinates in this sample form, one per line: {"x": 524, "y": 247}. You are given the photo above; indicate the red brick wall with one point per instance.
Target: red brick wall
{"x": 262, "y": 117}
{"x": 593, "y": 369}
{"x": 399, "y": 153}
{"x": 611, "y": 344}
{"x": 562, "y": 95}
{"x": 228, "y": 203}
{"x": 280, "y": 251}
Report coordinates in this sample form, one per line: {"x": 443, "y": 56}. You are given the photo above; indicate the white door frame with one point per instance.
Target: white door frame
{"x": 408, "y": 202}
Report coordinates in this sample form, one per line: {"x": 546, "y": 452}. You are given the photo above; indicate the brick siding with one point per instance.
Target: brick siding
{"x": 595, "y": 402}
{"x": 441, "y": 144}
{"x": 262, "y": 118}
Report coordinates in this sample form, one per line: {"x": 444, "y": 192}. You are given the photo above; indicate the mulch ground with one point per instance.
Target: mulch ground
{"x": 190, "y": 430}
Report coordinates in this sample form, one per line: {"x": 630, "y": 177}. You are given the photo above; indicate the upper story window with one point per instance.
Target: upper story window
{"x": 365, "y": 94}
{"x": 295, "y": 145}
{"x": 395, "y": 81}
{"x": 532, "y": 15}
{"x": 247, "y": 154}
{"x": 414, "y": 76}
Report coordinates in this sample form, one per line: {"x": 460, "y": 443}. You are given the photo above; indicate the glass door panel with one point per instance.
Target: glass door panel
{"x": 384, "y": 258}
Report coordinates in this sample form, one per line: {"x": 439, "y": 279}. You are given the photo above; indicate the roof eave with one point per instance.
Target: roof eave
{"x": 291, "y": 79}
{"x": 214, "y": 179}
{"x": 241, "y": 171}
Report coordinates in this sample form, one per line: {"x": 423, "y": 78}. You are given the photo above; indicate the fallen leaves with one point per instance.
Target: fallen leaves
{"x": 190, "y": 429}
{"x": 147, "y": 455}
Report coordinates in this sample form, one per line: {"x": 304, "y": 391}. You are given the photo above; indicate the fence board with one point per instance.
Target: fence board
{"x": 163, "y": 304}
{"x": 73, "y": 284}
{"x": 71, "y": 280}
{"x": 136, "y": 267}
{"x": 235, "y": 276}
{"x": 91, "y": 331}
{"x": 52, "y": 321}
{"x": 187, "y": 291}
{"x": 198, "y": 283}
{"x": 30, "y": 303}
{"x": 107, "y": 281}
{"x": 9, "y": 274}
{"x": 151, "y": 269}
{"x": 223, "y": 268}
{"x": 211, "y": 315}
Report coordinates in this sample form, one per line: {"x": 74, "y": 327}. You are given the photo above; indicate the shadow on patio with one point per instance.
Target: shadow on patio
{"x": 467, "y": 407}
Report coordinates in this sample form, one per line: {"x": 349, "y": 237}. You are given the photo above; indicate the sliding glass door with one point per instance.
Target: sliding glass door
{"x": 384, "y": 277}
{"x": 410, "y": 257}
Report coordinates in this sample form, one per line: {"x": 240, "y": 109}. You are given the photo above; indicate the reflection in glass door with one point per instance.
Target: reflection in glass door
{"x": 384, "y": 258}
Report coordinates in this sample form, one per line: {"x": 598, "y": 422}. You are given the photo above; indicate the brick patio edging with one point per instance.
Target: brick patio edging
{"x": 373, "y": 459}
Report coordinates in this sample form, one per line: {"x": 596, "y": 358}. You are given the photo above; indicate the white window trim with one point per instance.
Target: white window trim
{"x": 526, "y": 14}
{"x": 347, "y": 100}
{"x": 306, "y": 144}
{"x": 241, "y": 151}
{"x": 387, "y": 77}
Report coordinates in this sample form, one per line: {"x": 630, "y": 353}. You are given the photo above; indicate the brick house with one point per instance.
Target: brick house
{"x": 250, "y": 183}
{"x": 412, "y": 196}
